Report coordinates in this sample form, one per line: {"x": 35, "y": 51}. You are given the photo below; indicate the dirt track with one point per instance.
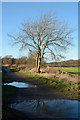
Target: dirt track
{"x": 30, "y": 93}
{"x": 39, "y": 91}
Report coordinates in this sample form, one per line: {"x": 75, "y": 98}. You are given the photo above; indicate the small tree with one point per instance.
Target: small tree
{"x": 46, "y": 36}
{"x": 23, "y": 60}
{"x": 11, "y": 61}
{"x": 30, "y": 59}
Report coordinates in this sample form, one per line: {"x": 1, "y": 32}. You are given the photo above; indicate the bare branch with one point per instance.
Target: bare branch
{"x": 45, "y": 33}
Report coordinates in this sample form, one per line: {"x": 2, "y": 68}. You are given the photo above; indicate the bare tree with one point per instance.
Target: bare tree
{"x": 46, "y": 36}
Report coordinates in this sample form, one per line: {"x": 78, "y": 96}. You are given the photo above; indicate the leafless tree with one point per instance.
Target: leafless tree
{"x": 45, "y": 35}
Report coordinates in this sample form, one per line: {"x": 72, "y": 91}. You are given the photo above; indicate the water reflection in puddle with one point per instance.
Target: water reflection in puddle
{"x": 51, "y": 108}
{"x": 20, "y": 84}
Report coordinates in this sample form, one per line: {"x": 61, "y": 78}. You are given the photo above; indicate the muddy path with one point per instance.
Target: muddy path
{"x": 38, "y": 102}
{"x": 35, "y": 90}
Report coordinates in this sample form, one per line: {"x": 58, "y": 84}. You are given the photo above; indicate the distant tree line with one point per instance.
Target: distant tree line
{"x": 69, "y": 63}
{"x": 30, "y": 61}
{"x": 17, "y": 61}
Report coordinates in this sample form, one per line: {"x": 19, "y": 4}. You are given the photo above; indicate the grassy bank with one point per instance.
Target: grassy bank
{"x": 69, "y": 89}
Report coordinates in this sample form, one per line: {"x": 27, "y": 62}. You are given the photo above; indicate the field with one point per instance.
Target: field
{"x": 72, "y": 70}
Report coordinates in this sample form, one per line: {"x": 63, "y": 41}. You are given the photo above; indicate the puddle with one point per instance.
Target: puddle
{"x": 60, "y": 108}
{"x": 20, "y": 84}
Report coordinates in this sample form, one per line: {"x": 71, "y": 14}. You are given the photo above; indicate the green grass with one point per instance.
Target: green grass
{"x": 12, "y": 69}
{"x": 72, "y": 70}
{"x": 69, "y": 89}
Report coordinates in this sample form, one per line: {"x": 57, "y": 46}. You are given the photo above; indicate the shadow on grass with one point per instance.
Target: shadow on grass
{"x": 74, "y": 73}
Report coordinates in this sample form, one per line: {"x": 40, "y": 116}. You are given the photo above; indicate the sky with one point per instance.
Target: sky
{"x": 15, "y": 13}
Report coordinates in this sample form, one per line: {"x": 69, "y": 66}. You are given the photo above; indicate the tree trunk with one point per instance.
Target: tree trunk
{"x": 38, "y": 61}
{"x": 39, "y": 64}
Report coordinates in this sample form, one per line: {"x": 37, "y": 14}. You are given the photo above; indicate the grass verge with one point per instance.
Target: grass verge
{"x": 71, "y": 90}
